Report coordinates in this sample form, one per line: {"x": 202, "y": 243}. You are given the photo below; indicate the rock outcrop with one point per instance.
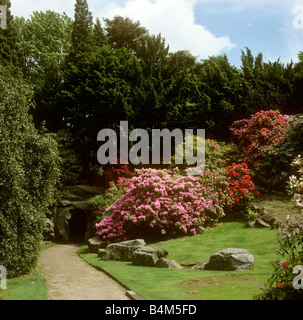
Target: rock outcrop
{"x": 232, "y": 259}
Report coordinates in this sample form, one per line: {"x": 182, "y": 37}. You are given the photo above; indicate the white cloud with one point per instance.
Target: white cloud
{"x": 175, "y": 20}
{"x": 24, "y": 8}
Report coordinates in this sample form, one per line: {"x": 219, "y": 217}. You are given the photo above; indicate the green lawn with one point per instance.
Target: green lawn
{"x": 187, "y": 284}
{"x": 30, "y": 287}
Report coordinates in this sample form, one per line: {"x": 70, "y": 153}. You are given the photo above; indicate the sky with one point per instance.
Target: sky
{"x": 203, "y": 27}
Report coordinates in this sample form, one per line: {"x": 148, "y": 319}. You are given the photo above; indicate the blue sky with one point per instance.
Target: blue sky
{"x": 204, "y": 27}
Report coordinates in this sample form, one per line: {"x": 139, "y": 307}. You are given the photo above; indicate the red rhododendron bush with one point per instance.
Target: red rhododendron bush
{"x": 264, "y": 144}
{"x": 254, "y": 136}
{"x": 163, "y": 202}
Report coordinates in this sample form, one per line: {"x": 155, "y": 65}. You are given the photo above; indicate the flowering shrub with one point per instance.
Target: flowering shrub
{"x": 114, "y": 172}
{"x": 163, "y": 202}
{"x": 241, "y": 187}
{"x": 256, "y": 135}
{"x": 260, "y": 140}
{"x": 115, "y": 191}
{"x": 217, "y": 154}
{"x": 280, "y": 286}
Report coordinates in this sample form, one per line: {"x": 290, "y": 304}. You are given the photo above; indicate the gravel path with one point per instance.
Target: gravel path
{"x": 71, "y": 278}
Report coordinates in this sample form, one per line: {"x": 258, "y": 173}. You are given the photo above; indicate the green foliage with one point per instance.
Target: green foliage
{"x": 218, "y": 154}
{"x": 8, "y": 41}
{"x": 82, "y": 34}
{"x": 70, "y": 167}
{"x": 282, "y": 285}
{"x": 28, "y": 174}
{"x": 96, "y": 94}
{"x": 99, "y": 203}
{"x": 124, "y": 33}
{"x": 260, "y": 140}
{"x": 44, "y": 40}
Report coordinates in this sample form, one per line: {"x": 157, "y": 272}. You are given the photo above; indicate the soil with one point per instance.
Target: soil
{"x": 71, "y": 278}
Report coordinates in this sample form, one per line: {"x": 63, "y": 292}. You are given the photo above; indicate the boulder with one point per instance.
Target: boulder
{"x": 62, "y": 224}
{"x": 264, "y": 218}
{"x": 232, "y": 259}
{"x": 170, "y": 264}
{"x": 81, "y": 192}
{"x": 200, "y": 230}
{"x": 95, "y": 243}
{"x": 122, "y": 251}
{"x": 148, "y": 256}
{"x": 49, "y": 230}
{"x": 201, "y": 265}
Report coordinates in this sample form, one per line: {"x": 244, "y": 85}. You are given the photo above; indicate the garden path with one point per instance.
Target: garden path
{"x": 71, "y": 278}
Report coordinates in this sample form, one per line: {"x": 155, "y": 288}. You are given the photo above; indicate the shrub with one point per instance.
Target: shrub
{"x": 241, "y": 188}
{"x": 29, "y": 163}
{"x": 259, "y": 140}
{"x": 114, "y": 172}
{"x": 217, "y": 154}
{"x": 280, "y": 286}
{"x": 164, "y": 203}
{"x": 100, "y": 202}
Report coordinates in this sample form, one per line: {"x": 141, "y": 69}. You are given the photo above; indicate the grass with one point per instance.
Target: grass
{"x": 188, "y": 284}
{"x": 29, "y": 287}
{"x": 279, "y": 204}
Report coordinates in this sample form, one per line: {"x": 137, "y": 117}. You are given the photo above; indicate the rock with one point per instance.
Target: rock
{"x": 170, "y": 264}
{"x": 201, "y": 265}
{"x": 122, "y": 251}
{"x": 148, "y": 256}
{"x": 95, "y": 243}
{"x": 231, "y": 259}
{"x": 200, "y": 230}
{"x": 145, "y": 259}
{"x": 103, "y": 255}
{"x": 62, "y": 224}
{"x": 49, "y": 230}
{"x": 260, "y": 223}
{"x": 81, "y": 192}
{"x": 264, "y": 218}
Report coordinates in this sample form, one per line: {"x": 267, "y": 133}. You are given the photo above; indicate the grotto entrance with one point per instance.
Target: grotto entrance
{"x": 77, "y": 226}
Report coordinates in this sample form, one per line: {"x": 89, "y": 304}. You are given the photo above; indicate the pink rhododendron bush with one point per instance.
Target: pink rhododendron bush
{"x": 164, "y": 203}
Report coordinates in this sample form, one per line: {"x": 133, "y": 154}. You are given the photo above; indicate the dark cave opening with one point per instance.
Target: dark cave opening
{"x": 77, "y": 226}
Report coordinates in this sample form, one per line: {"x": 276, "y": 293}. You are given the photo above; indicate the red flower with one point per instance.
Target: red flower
{"x": 285, "y": 265}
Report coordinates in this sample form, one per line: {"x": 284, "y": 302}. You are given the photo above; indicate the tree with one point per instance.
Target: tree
{"x": 97, "y": 94}
{"x": 44, "y": 41}
{"x": 28, "y": 174}
{"x": 150, "y": 104}
{"x": 267, "y": 85}
{"x": 100, "y": 38}
{"x": 82, "y": 34}
{"x": 217, "y": 97}
{"x": 123, "y": 32}
{"x": 8, "y": 41}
